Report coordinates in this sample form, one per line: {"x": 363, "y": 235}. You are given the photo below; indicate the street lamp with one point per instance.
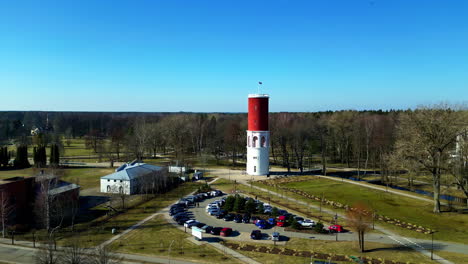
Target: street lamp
{"x": 169, "y": 252}
{"x": 432, "y": 245}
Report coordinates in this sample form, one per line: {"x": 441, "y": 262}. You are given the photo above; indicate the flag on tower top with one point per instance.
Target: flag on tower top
{"x": 260, "y": 83}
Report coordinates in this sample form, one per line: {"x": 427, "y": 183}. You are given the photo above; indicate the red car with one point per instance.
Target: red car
{"x": 226, "y": 231}
{"x": 281, "y": 221}
{"x": 335, "y": 228}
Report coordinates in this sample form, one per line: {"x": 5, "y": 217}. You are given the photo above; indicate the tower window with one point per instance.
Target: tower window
{"x": 254, "y": 143}
{"x": 263, "y": 142}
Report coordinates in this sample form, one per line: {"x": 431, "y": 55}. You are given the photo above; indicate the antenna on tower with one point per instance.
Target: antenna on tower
{"x": 259, "y": 85}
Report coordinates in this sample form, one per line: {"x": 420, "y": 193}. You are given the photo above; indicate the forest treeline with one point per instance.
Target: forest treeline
{"x": 427, "y": 140}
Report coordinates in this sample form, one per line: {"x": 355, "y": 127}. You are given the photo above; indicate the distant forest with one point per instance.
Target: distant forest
{"x": 431, "y": 140}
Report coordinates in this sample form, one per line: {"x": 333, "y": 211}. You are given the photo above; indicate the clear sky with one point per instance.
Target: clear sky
{"x": 206, "y": 56}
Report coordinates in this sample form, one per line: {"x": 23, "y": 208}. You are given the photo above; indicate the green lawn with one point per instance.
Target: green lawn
{"x": 96, "y": 231}
{"x": 373, "y": 250}
{"x": 85, "y": 177}
{"x": 155, "y": 237}
{"x": 450, "y": 226}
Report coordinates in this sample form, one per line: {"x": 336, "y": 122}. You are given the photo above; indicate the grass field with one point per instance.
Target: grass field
{"x": 96, "y": 232}
{"x": 85, "y": 177}
{"x": 155, "y": 237}
{"x": 373, "y": 250}
{"x": 450, "y": 226}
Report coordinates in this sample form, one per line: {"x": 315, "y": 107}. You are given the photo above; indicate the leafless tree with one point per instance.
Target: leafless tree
{"x": 427, "y": 136}
{"x": 47, "y": 254}
{"x": 360, "y": 219}
{"x": 102, "y": 255}
{"x": 74, "y": 254}
{"x": 6, "y": 209}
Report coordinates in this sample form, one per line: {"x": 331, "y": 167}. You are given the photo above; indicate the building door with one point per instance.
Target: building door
{"x": 255, "y": 168}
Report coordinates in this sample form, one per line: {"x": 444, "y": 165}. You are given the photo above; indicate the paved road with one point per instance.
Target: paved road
{"x": 419, "y": 245}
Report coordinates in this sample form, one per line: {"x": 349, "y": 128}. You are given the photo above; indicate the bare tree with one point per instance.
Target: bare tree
{"x": 359, "y": 218}
{"x": 74, "y": 254}
{"x": 47, "y": 254}
{"x": 102, "y": 255}
{"x": 6, "y": 209}
{"x": 427, "y": 136}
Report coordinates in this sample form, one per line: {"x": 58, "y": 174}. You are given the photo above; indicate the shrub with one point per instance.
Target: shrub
{"x": 319, "y": 228}
{"x": 229, "y": 204}
{"x": 274, "y": 212}
{"x": 250, "y": 206}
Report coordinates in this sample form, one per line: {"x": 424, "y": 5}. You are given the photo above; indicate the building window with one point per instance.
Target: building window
{"x": 108, "y": 180}
{"x": 263, "y": 142}
{"x": 255, "y": 168}
{"x": 254, "y": 143}
{"x": 115, "y": 180}
{"x": 120, "y": 189}
{"x": 121, "y": 181}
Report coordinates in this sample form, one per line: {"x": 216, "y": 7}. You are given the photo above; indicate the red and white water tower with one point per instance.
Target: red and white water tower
{"x": 258, "y": 135}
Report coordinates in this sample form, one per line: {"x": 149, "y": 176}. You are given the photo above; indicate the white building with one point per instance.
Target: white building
{"x": 127, "y": 178}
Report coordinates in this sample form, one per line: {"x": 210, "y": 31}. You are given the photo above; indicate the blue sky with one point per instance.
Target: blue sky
{"x": 206, "y": 56}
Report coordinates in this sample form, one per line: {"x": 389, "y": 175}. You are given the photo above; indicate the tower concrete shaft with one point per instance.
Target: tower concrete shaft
{"x": 258, "y": 135}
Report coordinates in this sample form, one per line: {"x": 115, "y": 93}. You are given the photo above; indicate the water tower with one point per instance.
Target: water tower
{"x": 258, "y": 135}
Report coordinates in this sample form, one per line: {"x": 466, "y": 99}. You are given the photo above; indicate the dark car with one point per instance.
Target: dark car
{"x": 221, "y": 214}
{"x": 206, "y": 228}
{"x": 200, "y": 225}
{"x": 256, "y": 234}
{"x": 238, "y": 218}
{"x": 246, "y": 218}
{"x": 226, "y": 231}
{"x": 253, "y": 219}
{"x": 182, "y": 221}
{"x": 176, "y": 211}
{"x": 216, "y": 230}
{"x": 228, "y": 217}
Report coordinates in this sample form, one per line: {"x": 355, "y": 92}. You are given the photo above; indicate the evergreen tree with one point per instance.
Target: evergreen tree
{"x": 250, "y": 206}
{"x": 54, "y": 155}
{"x": 21, "y": 160}
{"x": 4, "y": 156}
{"x": 229, "y": 204}
{"x": 239, "y": 204}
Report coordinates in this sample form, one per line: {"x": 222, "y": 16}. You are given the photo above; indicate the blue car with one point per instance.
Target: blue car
{"x": 272, "y": 221}
{"x": 262, "y": 224}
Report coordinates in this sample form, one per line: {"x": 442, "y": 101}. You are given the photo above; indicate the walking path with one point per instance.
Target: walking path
{"x": 241, "y": 178}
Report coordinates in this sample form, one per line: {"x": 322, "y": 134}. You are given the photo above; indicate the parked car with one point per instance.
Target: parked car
{"x": 191, "y": 223}
{"x": 182, "y": 220}
{"x": 335, "y": 228}
{"x": 214, "y": 212}
{"x": 238, "y": 218}
{"x": 221, "y": 214}
{"x": 226, "y": 231}
{"x": 216, "y": 230}
{"x": 275, "y": 236}
{"x": 200, "y": 225}
{"x": 281, "y": 220}
{"x": 307, "y": 223}
{"x": 253, "y": 219}
{"x": 298, "y": 218}
{"x": 206, "y": 229}
{"x": 271, "y": 221}
{"x": 246, "y": 219}
{"x": 262, "y": 224}
{"x": 256, "y": 234}
{"x": 228, "y": 217}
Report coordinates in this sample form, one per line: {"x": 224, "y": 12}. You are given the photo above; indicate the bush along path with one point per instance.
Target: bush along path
{"x": 307, "y": 254}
